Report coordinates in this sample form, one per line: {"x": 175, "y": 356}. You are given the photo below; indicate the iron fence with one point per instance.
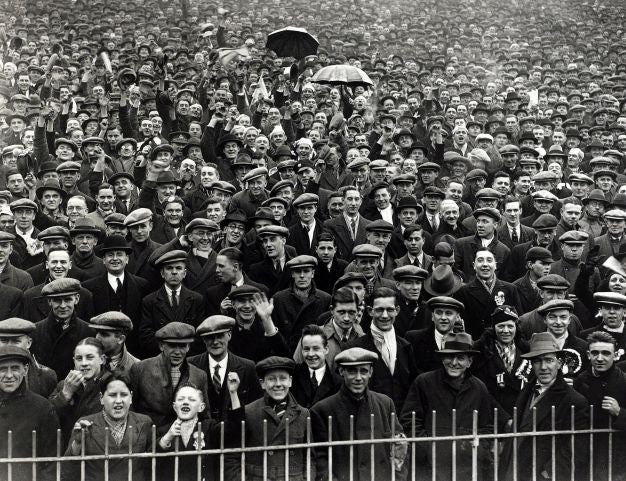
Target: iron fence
{"x": 412, "y": 469}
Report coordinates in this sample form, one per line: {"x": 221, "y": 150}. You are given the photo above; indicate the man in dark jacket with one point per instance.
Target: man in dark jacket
{"x": 272, "y": 271}
{"x": 218, "y": 362}
{"x": 139, "y": 224}
{"x": 85, "y": 236}
{"x": 300, "y": 304}
{"x": 612, "y": 309}
{"x": 357, "y": 413}
{"x": 538, "y": 262}
{"x": 304, "y": 232}
{"x": 55, "y": 337}
{"x": 394, "y": 370}
{"x": 411, "y": 310}
{"x": 155, "y": 380}
{"x": 329, "y": 266}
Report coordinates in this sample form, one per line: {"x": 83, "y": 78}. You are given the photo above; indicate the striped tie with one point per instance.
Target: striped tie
{"x": 217, "y": 380}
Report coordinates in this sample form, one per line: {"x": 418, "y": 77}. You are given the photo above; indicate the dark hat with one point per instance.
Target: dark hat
{"x": 554, "y": 282}
{"x": 200, "y": 223}
{"x": 408, "y": 202}
{"x": 434, "y": 192}
{"x": 476, "y": 174}
{"x": 355, "y": 356}
{"x": 54, "y": 232}
{"x": 442, "y": 281}
{"x": 70, "y": 143}
{"x": 236, "y": 215}
{"x": 579, "y": 177}
{"x": 168, "y": 177}
{"x": 121, "y": 175}
{"x": 161, "y": 148}
{"x": 555, "y": 304}
{"x": 409, "y": 178}
{"x": 377, "y": 186}
{"x": 16, "y": 326}
{"x": 302, "y": 261}
{"x": 6, "y": 237}
{"x": 488, "y": 193}
{"x": 23, "y": 204}
{"x": 489, "y": 212}
{"x": 429, "y": 166}
{"x": 228, "y": 138}
{"x": 243, "y": 291}
{"x": 595, "y": 194}
{"x": 613, "y": 298}
{"x": 503, "y": 314}
{"x": 349, "y": 277}
{"x": 254, "y": 173}
{"x": 223, "y": 186}
{"x": 215, "y": 325}
{"x": 138, "y": 216}
{"x": 409, "y": 272}
{"x": 85, "y": 225}
{"x": 545, "y": 222}
{"x": 457, "y": 343}
{"x": 542, "y": 343}
{"x": 358, "y": 162}
{"x": 14, "y": 352}
{"x": 45, "y": 167}
{"x": 273, "y": 363}
{"x": 306, "y": 199}
{"x": 379, "y": 225}
{"x": 115, "y": 242}
{"x": 538, "y": 254}
{"x": 264, "y": 213}
{"x": 170, "y": 257}
{"x": 68, "y": 166}
{"x": 111, "y": 321}
{"x": 273, "y": 230}
{"x": 61, "y": 287}
{"x": 445, "y": 301}
{"x": 176, "y": 333}
{"x": 280, "y": 185}
{"x": 50, "y": 184}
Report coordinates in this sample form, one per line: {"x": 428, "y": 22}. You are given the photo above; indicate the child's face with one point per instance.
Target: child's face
{"x": 188, "y": 403}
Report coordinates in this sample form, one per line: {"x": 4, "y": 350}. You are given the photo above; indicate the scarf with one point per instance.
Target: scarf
{"x": 385, "y": 342}
{"x": 117, "y": 428}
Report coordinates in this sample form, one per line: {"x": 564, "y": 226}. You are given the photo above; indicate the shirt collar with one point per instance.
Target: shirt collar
{"x": 223, "y": 363}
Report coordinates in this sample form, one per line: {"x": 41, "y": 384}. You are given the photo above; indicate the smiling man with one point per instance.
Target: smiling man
{"x": 251, "y": 198}
{"x": 612, "y": 309}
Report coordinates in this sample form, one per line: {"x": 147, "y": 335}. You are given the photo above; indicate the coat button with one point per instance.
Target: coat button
{"x": 270, "y": 453}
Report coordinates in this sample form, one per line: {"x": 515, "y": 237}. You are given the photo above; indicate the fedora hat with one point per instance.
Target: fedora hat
{"x": 541, "y": 343}
{"x": 457, "y": 343}
{"x": 442, "y": 281}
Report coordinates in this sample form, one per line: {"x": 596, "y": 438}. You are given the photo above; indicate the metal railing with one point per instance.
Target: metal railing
{"x": 413, "y": 468}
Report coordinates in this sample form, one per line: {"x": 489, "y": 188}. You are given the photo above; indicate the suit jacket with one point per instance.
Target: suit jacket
{"x": 36, "y": 306}
{"x": 249, "y": 387}
{"x": 157, "y": 311}
{"x": 479, "y": 304}
{"x": 526, "y": 234}
{"x": 302, "y": 389}
{"x": 162, "y": 232}
{"x": 404, "y": 261}
{"x": 607, "y": 248}
{"x": 325, "y": 278}
{"x": 265, "y": 273}
{"x": 216, "y": 294}
{"x": 515, "y": 265}
{"x": 138, "y": 260}
{"x": 20, "y": 256}
{"x": 11, "y": 302}
{"x": 424, "y": 348}
{"x": 465, "y": 250}
{"x": 395, "y": 386}
{"x": 14, "y": 277}
{"x": 299, "y": 238}
{"x": 343, "y": 237}
{"x": 528, "y": 295}
{"x": 39, "y": 273}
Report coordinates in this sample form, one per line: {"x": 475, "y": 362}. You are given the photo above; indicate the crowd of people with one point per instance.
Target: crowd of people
{"x": 196, "y": 233}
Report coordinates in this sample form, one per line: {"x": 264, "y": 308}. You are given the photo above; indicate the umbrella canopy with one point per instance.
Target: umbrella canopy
{"x": 342, "y": 75}
{"x": 292, "y": 42}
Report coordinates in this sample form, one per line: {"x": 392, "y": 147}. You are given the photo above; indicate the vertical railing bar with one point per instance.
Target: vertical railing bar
{"x": 433, "y": 470}
{"x": 475, "y": 442}
{"x": 553, "y": 440}
{"x": 591, "y": 423}
{"x": 106, "y": 453}
{"x": 58, "y": 462}
{"x": 82, "y": 454}
{"x": 34, "y": 453}
{"x": 372, "y": 452}
{"x": 610, "y": 471}
{"x": 572, "y": 446}
{"x": 351, "y": 472}
{"x": 9, "y": 455}
{"x": 153, "y": 459}
{"x": 130, "y": 453}
{"x": 199, "y": 441}
{"x": 495, "y": 445}
{"x": 514, "y": 466}
{"x": 222, "y": 453}
{"x": 453, "y": 445}
{"x": 265, "y": 450}
{"x": 330, "y": 448}
{"x": 534, "y": 443}
{"x": 176, "y": 458}
{"x": 393, "y": 446}
{"x": 413, "y": 446}
{"x": 308, "y": 449}
{"x": 287, "y": 448}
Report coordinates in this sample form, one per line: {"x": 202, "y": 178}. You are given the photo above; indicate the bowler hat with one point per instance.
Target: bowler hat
{"x": 115, "y": 242}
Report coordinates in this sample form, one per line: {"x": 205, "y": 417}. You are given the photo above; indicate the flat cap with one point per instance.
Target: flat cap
{"x": 115, "y": 218}
{"x": 544, "y": 195}
{"x": 538, "y": 254}
{"x": 429, "y": 166}
{"x": 445, "y": 301}
{"x": 61, "y": 287}
{"x": 161, "y": 148}
{"x": 273, "y": 363}
{"x": 254, "y": 173}
{"x": 23, "y": 204}
{"x": 54, "y": 232}
{"x": 407, "y": 178}
{"x": 176, "y": 332}
{"x": 16, "y": 326}
{"x": 302, "y": 261}
{"x": 359, "y": 162}
{"x": 554, "y": 282}
{"x": 200, "y": 223}
{"x": 243, "y": 291}
{"x": 366, "y": 250}
{"x": 580, "y": 177}
{"x": 171, "y": 257}
{"x": 6, "y": 237}
{"x": 306, "y": 199}
{"x": 215, "y": 325}
{"x": 545, "y": 222}
{"x": 545, "y": 176}
{"x": 68, "y": 142}
{"x": 68, "y": 166}
{"x": 509, "y": 149}
{"x": 14, "y": 352}
{"x": 616, "y": 214}
{"x": 608, "y": 298}
{"x": 273, "y": 230}
{"x": 376, "y": 187}
{"x": 476, "y": 174}
{"x": 137, "y": 217}
{"x": 224, "y": 186}
{"x": 489, "y": 212}
{"x": 574, "y": 237}
{"x": 111, "y": 321}
{"x": 555, "y": 304}
{"x": 378, "y": 164}
{"x": 379, "y": 225}
{"x": 355, "y": 356}
{"x": 349, "y": 277}
{"x": 409, "y": 272}
{"x": 488, "y": 193}
{"x": 433, "y": 191}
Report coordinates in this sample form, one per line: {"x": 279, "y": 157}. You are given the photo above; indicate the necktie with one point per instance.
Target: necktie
{"x": 370, "y": 289}
{"x": 280, "y": 408}
{"x": 126, "y": 202}
{"x": 514, "y": 236}
{"x": 119, "y": 286}
{"x": 536, "y": 394}
{"x": 353, "y": 228}
{"x": 344, "y": 339}
{"x": 217, "y": 380}
{"x": 279, "y": 268}
{"x": 416, "y": 262}
{"x": 435, "y": 223}
{"x": 306, "y": 227}
{"x": 314, "y": 383}
{"x": 174, "y": 300}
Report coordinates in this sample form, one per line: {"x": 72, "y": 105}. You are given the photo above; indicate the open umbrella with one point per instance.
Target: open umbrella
{"x": 342, "y": 75}
{"x": 292, "y": 42}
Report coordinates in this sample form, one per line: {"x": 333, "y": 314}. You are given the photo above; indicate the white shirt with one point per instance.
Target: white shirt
{"x": 239, "y": 283}
{"x": 348, "y": 220}
{"x": 319, "y": 374}
{"x": 387, "y": 214}
{"x": 485, "y": 242}
{"x": 434, "y": 220}
{"x": 515, "y": 229}
{"x": 222, "y": 370}
{"x": 439, "y": 339}
{"x": 560, "y": 341}
{"x": 420, "y": 259}
{"x": 27, "y": 236}
{"x": 169, "y": 294}
{"x": 311, "y": 231}
{"x": 113, "y": 280}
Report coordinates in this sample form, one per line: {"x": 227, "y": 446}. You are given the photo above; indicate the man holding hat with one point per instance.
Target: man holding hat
{"x": 450, "y": 387}
{"x": 219, "y": 362}
{"x": 17, "y": 332}
{"x": 550, "y": 400}
{"x": 357, "y": 413}
{"x": 24, "y": 412}
{"x": 300, "y": 304}
{"x": 172, "y": 302}
{"x": 612, "y": 308}
{"x": 56, "y": 336}
{"x": 273, "y": 271}
{"x": 154, "y": 380}
{"x": 112, "y": 329}
{"x": 275, "y": 419}
{"x": 157, "y": 187}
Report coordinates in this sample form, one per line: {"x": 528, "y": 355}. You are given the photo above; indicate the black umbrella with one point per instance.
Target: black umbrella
{"x": 292, "y": 42}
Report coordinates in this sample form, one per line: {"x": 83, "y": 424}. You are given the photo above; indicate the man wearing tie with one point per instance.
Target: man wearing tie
{"x": 125, "y": 192}
{"x": 173, "y": 302}
{"x": 303, "y": 234}
{"x": 271, "y": 271}
{"x": 349, "y": 228}
{"x": 117, "y": 289}
{"x": 413, "y": 237}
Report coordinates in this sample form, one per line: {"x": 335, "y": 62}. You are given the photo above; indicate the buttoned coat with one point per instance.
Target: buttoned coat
{"x": 343, "y": 238}
{"x": 466, "y": 247}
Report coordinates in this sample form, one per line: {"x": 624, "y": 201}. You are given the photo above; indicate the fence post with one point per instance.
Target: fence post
{"x": 372, "y": 464}
{"x": 591, "y": 422}
{"x": 514, "y": 466}
{"x": 82, "y": 454}
{"x": 222, "y": 453}
{"x": 330, "y": 448}
{"x": 351, "y": 448}
{"x": 433, "y": 469}
{"x": 534, "y": 451}
{"x": 610, "y": 470}
{"x": 453, "y": 445}
{"x": 413, "y": 446}
{"x": 573, "y": 445}
{"x": 34, "y": 452}
{"x": 153, "y": 459}
{"x": 106, "y": 453}
{"x": 199, "y": 442}
{"x": 475, "y": 444}
{"x": 308, "y": 448}
{"x": 495, "y": 445}
{"x": 9, "y": 455}
{"x": 553, "y": 440}
{"x": 393, "y": 446}
{"x": 287, "y": 448}
{"x": 58, "y": 463}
